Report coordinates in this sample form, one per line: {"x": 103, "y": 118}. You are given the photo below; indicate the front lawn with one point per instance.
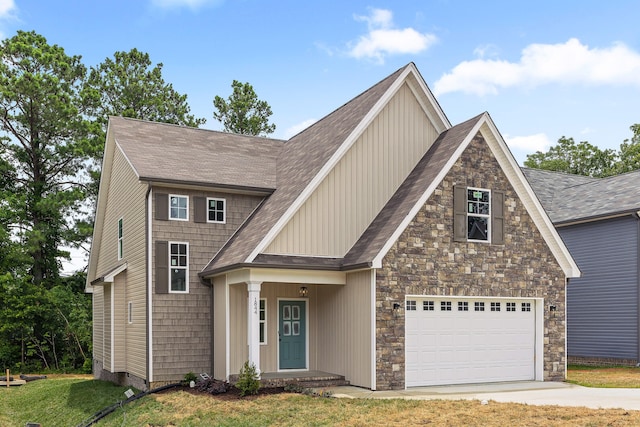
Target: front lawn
{"x": 604, "y": 377}
{"x": 67, "y": 401}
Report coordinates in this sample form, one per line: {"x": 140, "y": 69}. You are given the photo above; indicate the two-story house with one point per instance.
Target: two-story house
{"x": 381, "y": 244}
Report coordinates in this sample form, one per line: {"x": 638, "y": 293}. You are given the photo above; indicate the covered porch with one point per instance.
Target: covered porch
{"x": 303, "y": 326}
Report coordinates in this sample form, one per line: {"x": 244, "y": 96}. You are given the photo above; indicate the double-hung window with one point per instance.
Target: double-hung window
{"x": 263, "y": 321}
{"x": 179, "y": 267}
{"x": 478, "y": 214}
{"x": 178, "y": 207}
{"x": 216, "y": 210}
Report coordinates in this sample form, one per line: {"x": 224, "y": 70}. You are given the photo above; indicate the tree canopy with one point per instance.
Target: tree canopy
{"x": 586, "y": 159}
{"x": 243, "y": 112}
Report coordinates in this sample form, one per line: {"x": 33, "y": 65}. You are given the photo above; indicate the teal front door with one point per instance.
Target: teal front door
{"x": 292, "y": 333}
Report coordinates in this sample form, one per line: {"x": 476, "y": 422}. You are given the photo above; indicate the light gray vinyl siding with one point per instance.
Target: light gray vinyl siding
{"x": 602, "y": 305}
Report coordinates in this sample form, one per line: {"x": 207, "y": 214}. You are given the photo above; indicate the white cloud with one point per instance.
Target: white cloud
{"x": 297, "y": 128}
{"x": 571, "y": 62}
{"x": 383, "y": 39}
{"x": 7, "y": 11}
{"x": 191, "y": 4}
{"x": 529, "y": 144}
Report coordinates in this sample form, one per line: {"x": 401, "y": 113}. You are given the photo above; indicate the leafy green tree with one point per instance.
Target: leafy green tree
{"x": 582, "y": 159}
{"x": 128, "y": 86}
{"x": 243, "y": 112}
{"x": 44, "y": 141}
{"x": 629, "y": 157}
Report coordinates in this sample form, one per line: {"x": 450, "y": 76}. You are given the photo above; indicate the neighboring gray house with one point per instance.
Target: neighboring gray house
{"x": 598, "y": 221}
{"x": 381, "y": 245}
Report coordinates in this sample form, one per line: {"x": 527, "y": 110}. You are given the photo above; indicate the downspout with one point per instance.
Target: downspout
{"x": 148, "y": 235}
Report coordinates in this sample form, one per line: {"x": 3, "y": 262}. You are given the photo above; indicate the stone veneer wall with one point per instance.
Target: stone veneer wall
{"x": 426, "y": 261}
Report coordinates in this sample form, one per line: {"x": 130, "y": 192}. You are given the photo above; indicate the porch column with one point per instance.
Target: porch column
{"x": 253, "y": 322}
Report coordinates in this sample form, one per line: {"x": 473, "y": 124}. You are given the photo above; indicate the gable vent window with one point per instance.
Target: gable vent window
{"x": 216, "y": 210}
{"x": 478, "y": 215}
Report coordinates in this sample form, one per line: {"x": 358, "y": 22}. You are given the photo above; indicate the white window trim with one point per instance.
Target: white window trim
{"x": 186, "y": 291}
{"x": 178, "y": 219}
{"x": 120, "y": 242}
{"x": 479, "y": 215}
{"x": 224, "y": 210}
{"x": 264, "y": 322}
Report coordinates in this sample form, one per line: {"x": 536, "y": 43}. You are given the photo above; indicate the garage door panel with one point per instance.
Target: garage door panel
{"x": 467, "y": 346}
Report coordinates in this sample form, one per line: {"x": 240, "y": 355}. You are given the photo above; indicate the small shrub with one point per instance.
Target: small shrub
{"x": 294, "y": 387}
{"x": 189, "y": 376}
{"x": 248, "y": 381}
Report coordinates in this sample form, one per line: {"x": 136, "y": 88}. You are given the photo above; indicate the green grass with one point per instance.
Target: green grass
{"x": 56, "y": 402}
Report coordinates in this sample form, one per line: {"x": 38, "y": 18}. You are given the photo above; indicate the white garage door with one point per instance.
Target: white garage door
{"x": 466, "y": 340}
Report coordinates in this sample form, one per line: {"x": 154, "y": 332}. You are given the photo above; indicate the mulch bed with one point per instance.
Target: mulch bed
{"x": 224, "y": 391}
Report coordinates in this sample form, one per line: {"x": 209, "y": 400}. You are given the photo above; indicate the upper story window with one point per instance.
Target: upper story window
{"x": 178, "y": 207}
{"x": 179, "y": 267}
{"x": 216, "y": 210}
{"x": 120, "y": 240}
{"x": 478, "y": 214}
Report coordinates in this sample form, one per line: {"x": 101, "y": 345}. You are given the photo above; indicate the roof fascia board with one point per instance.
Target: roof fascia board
{"x": 103, "y": 190}
{"x": 281, "y": 275}
{"x": 127, "y": 158}
{"x": 515, "y": 175}
{"x": 377, "y": 260}
{"x": 440, "y": 121}
{"x": 331, "y": 163}
{"x": 194, "y": 185}
{"x": 631, "y": 212}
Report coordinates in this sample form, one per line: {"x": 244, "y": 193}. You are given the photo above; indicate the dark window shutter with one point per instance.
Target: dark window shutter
{"x": 162, "y": 267}
{"x": 162, "y": 207}
{"x": 497, "y": 217}
{"x": 459, "y": 213}
{"x": 200, "y": 209}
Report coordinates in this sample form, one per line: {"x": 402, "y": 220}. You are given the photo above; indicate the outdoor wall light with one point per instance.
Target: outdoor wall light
{"x": 396, "y": 306}
{"x": 552, "y": 308}
{"x": 303, "y": 291}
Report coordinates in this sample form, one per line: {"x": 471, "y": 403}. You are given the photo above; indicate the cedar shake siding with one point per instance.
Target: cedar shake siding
{"x": 426, "y": 260}
{"x": 182, "y": 331}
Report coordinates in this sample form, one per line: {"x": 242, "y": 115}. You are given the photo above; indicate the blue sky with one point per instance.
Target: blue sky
{"x": 542, "y": 69}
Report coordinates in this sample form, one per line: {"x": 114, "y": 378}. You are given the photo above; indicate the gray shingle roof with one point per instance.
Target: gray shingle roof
{"x": 397, "y": 208}
{"x": 300, "y": 161}
{"x": 205, "y": 157}
{"x": 568, "y": 198}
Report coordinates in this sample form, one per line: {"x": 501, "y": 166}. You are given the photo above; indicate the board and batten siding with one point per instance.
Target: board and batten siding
{"x": 363, "y": 181}
{"x": 345, "y": 338}
{"x": 602, "y": 305}
{"x": 126, "y": 199}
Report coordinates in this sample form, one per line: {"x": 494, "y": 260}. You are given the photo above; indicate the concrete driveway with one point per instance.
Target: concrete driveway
{"x": 528, "y": 392}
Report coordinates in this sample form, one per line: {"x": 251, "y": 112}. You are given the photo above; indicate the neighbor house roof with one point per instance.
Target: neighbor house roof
{"x": 170, "y": 153}
{"x": 569, "y": 198}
